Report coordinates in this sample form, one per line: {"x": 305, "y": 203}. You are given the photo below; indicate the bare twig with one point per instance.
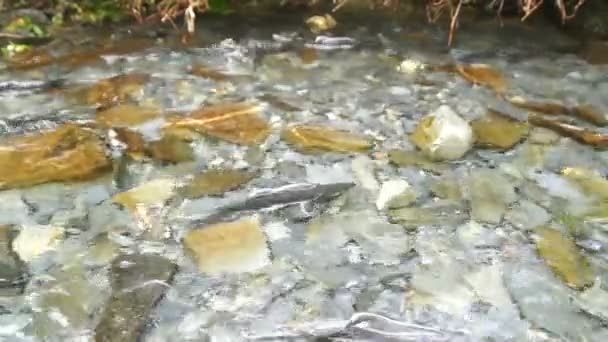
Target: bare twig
{"x": 454, "y": 22}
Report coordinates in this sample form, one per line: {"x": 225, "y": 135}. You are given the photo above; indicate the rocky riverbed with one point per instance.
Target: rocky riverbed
{"x": 261, "y": 181}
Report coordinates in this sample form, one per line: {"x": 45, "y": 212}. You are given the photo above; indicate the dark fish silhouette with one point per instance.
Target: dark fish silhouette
{"x": 305, "y": 195}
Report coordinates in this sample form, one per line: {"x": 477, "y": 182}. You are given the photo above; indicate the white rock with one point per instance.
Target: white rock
{"x": 390, "y": 190}
{"x": 276, "y": 231}
{"x": 363, "y": 168}
{"x": 409, "y": 66}
{"x": 36, "y": 239}
{"x": 152, "y": 192}
{"x": 443, "y": 135}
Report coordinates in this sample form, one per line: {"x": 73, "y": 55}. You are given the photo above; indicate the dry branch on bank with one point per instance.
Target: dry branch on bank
{"x": 169, "y": 10}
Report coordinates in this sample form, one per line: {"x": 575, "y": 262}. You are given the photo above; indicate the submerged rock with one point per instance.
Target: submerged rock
{"x": 527, "y": 215}
{"x": 417, "y": 159}
{"x": 438, "y": 213}
{"x": 13, "y": 272}
{"x": 172, "y": 149}
{"x": 126, "y": 115}
{"x": 66, "y": 154}
{"x": 563, "y": 256}
{"x": 30, "y": 59}
{"x": 65, "y": 303}
{"x": 115, "y": 90}
{"x": 544, "y": 302}
{"x": 233, "y": 247}
{"x": 549, "y": 108}
{"x": 489, "y": 192}
{"x": 136, "y": 145}
{"x": 238, "y": 123}
{"x": 483, "y": 74}
{"x": 154, "y": 191}
{"x": 394, "y": 194}
{"x": 590, "y": 182}
{"x": 584, "y": 112}
{"x": 138, "y": 283}
{"x": 203, "y": 71}
{"x": 591, "y": 114}
{"x": 320, "y": 23}
{"x": 316, "y": 138}
{"x": 498, "y": 131}
{"x": 32, "y": 241}
{"x": 216, "y": 182}
{"x": 443, "y": 135}
{"x": 583, "y": 135}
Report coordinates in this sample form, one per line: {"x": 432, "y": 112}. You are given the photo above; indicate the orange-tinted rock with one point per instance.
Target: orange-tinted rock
{"x": 550, "y": 108}
{"x": 582, "y": 135}
{"x": 308, "y": 55}
{"x": 66, "y": 154}
{"x": 590, "y": 114}
{"x": 115, "y": 90}
{"x": 238, "y": 123}
{"x": 482, "y": 74}
{"x": 136, "y": 145}
{"x": 78, "y": 59}
{"x": 498, "y": 131}
{"x": 316, "y": 138}
{"x": 30, "y": 59}
{"x": 216, "y": 182}
{"x": 126, "y": 115}
{"x": 172, "y": 149}
{"x": 206, "y": 72}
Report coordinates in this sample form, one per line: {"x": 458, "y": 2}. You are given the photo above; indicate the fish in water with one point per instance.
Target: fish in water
{"x": 30, "y": 85}
{"x": 305, "y": 196}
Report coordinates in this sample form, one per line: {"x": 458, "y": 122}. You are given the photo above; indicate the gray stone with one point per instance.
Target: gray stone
{"x": 13, "y": 272}
{"x": 138, "y": 282}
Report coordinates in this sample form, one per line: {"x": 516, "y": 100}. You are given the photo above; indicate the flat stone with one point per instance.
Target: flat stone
{"x": 395, "y": 193}
{"x": 483, "y": 74}
{"x": 233, "y": 247}
{"x": 239, "y": 123}
{"x": 317, "y": 138}
{"x": 561, "y": 253}
{"x": 136, "y": 145}
{"x": 443, "y": 135}
{"x": 33, "y": 240}
{"x": 13, "y": 272}
{"x": 416, "y": 159}
{"x": 498, "y": 131}
{"x": 154, "y": 191}
{"x": 126, "y": 115}
{"x": 68, "y": 153}
{"x": 114, "y": 90}
{"x": 215, "y": 182}
{"x": 138, "y": 283}
{"x": 171, "y": 149}
{"x": 489, "y": 192}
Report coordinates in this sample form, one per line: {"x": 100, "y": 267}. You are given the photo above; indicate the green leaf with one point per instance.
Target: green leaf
{"x": 219, "y": 6}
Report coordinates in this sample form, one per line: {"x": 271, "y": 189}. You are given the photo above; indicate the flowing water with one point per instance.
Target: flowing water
{"x": 263, "y": 182}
